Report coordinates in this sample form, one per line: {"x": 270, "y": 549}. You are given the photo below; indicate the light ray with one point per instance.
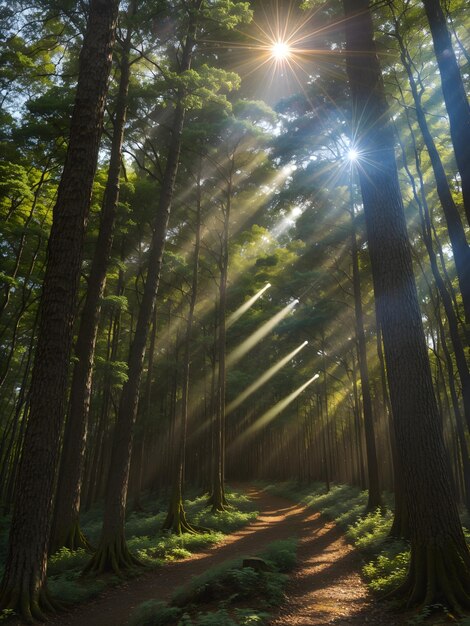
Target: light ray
{"x": 259, "y": 334}
{"x": 245, "y": 306}
{"x": 274, "y": 411}
{"x": 263, "y": 379}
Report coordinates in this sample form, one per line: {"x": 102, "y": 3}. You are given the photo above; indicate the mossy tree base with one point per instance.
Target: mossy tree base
{"x": 217, "y": 500}
{"x": 73, "y": 539}
{"x": 30, "y": 604}
{"x": 438, "y": 575}
{"x": 112, "y": 556}
{"x": 177, "y": 523}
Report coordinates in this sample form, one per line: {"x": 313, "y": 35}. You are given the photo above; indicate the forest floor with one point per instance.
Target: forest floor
{"x": 325, "y": 587}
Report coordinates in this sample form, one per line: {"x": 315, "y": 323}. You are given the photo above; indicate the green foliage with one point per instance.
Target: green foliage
{"x": 228, "y": 14}
{"x": 224, "y": 521}
{"x": 65, "y": 560}
{"x": 222, "y": 617}
{"x": 389, "y": 569}
{"x": 231, "y": 580}
{"x": 369, "y": 532}
{"x": 251, "y": 617}
{"x": 6, "y": 614}
{"x": 205, "y": 585}
{"x": 387, "y": 561}
{"x": 217, "y": 618}
{"x": 72, "y": 589}
{"x": 154, "y": 613}
{"x": 281, "y": 555}
{"x": 225, "y": 584}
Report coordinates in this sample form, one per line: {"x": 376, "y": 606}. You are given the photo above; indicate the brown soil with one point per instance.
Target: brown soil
{"x": 325, "y": 588}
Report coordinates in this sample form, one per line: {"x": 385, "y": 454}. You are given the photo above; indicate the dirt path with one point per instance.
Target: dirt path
{"x": 325, "y": 588}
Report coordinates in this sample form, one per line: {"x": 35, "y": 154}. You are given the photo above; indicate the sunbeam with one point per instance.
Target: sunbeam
{"x": 245, "y": 306}
{"x": 263, "y": 379}
{"x": 259, "y": 334}
{"x": 269, "y": 415}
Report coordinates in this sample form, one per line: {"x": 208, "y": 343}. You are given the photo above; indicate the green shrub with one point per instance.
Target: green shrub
{"x": 282, "y": 554}
{"x": 389, "y": 569}
{"x": 154, "y": 613}
{"x": 217, "y": 618}
{"x": 6, "y": 614}
{"x": 205, "y": 585}
{"x": 243, "y": 617}
{"x": 65, "y": 560}
{"x": 251, "y": 617}
{"x": 369, "y": 532}
{"x": 71, "y": 589}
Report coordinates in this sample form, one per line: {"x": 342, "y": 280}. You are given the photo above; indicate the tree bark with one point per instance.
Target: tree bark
{"x": 66, "y": 529}
{"x": 176, "y": 518}
{"x": 374, "y": 498}
{"x": 24, "y": 583}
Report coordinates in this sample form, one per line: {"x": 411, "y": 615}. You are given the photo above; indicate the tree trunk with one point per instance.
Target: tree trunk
{"x": 454, "y": 92}
{"x": 24, "y": 583}
{"x": 458, "y": 239}
{"x": 439, "y": 555}
{"x": 217, "y": 499}
{"x": 374, "y": 498}
{"x": 176, "y": 518}
{"x": 112, "y": 553}
{"x": 66, "y": 526}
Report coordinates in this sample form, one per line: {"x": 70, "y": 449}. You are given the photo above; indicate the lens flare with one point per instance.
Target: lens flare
{"x": 280, "y": 51}
{"x": 352, "y": 155}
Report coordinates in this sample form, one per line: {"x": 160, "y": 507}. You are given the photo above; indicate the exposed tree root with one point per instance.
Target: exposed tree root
{"x": 114, "y": 556}
{"x": 217, "y": 506}
{"x": 73, "y": 539}
{"x": 31, "y": 606}
{"x": 437, "y": 575}
{"x": 217, "y": 500}
{"x": 177, "y": 523}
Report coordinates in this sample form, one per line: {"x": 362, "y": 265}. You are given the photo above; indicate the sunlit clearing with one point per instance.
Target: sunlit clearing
{"x": 280, "y": 51}
{"x": 275, "y": 410}
{"x": 245, "y": 306}
{"x": 263, "y": 379}
{"x": 259, "y": 334}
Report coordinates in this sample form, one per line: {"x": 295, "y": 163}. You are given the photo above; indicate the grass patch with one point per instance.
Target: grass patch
{"x": 145, "y": 540}
{"x": 223, "y": 589}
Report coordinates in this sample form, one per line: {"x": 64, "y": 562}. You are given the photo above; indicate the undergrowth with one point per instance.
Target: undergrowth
{"x": 221, "y": 589}
{"x": 145, "y": 540}
{"x": 386, "y": 560}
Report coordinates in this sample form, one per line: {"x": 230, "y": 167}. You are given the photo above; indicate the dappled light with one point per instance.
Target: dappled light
{"x": 234, "y": 308}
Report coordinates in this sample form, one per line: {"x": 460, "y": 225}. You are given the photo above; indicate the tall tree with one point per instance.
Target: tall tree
{"x": 440, "y": 561}
{"x": 455, "y": 95}
{"x": 66, "y": 526}
{"x": 374, "y": 499}
{"x": 24, "y": 583}
{"x": 458, "y": 239}
{"x": 112, "y": 553}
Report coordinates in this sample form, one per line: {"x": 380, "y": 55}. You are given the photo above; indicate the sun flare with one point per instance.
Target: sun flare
{"x": 280, "y": 51}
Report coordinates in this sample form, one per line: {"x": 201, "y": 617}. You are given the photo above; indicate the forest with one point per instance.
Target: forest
{"x": 234, "y": 312}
